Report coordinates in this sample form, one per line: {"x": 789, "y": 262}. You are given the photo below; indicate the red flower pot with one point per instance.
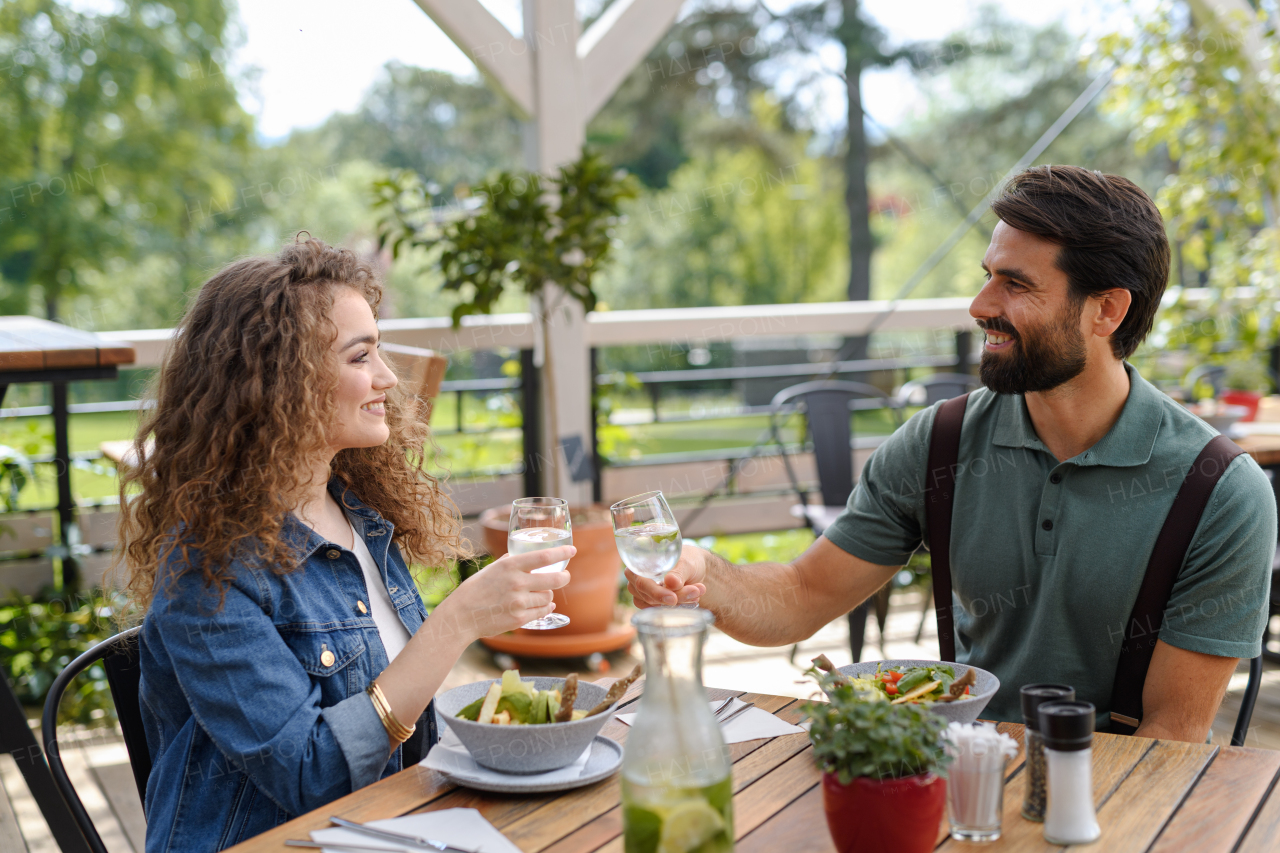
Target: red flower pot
{"x": 872, "y": 816}
{"x": 1248, "y": 399}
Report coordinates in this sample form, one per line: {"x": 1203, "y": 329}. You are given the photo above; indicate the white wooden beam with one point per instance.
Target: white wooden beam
{"x": 693, "y": 326}
{"x": 499, "y": 55}
{"x": 622, "y": 37}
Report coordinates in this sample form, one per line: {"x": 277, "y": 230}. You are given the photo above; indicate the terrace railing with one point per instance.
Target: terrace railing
{"x": 752, "y": 491}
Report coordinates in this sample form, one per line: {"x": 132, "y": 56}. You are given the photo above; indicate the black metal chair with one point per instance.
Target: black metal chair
{"x": 1250, "y": 698}
{"x": 17, "y": 739}
{"x": 120, "y": 658}
{"x": 827, "y": 406}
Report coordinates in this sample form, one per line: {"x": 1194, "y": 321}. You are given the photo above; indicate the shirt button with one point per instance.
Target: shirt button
{"x": 1056, "y": 479}
{"x": 360, "y": 606}
{"x": 1047, "y": 524}
{"x": 326, "y": 658}
{"x": 334, "y": 553}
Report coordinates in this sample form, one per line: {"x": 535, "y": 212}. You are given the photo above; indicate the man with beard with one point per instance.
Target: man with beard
{"x": 1068, "y": 465}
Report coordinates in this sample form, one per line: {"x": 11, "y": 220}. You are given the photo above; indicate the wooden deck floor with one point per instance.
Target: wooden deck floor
{"x": 99, "y": 766}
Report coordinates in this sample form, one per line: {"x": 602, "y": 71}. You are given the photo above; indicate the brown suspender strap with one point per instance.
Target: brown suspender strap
{"x": 1167, "y": 556}
{"x": 940, "y": 490}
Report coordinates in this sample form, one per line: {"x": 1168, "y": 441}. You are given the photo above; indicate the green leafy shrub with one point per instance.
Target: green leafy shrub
{"x": 38, "y": 638}
{"x": 855, "y": 736}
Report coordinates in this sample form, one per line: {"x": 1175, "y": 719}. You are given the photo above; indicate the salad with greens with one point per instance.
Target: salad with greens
{"x": 901, "y": 684}
{"x": 515, "y": 702}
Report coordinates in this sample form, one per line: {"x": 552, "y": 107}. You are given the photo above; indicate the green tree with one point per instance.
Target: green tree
{"x": 451, "y": 131}
{"x": 811, "y": 25}
{"x": 744, "y": 225}
{"x": 979, "y": 117}
{"x": 691, "y": 94}
{"x": 1198, "y": 95}
{"x": 111, "y": 127}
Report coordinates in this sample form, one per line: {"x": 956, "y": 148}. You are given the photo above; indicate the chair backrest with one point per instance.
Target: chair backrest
{"x": 826, "y": 405}
{"x": 1250, "y": 698}
{"x": 1213, "y": 375}
{"x": 936, "y": 388}
{"x": 425, "y": 369}
{"x": 121, "y": 658}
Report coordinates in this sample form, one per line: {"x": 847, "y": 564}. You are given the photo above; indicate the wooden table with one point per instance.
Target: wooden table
{"x": 1151, "y": 796}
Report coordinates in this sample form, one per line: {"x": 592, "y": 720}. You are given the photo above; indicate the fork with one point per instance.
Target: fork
{"x": 746, "y": 706}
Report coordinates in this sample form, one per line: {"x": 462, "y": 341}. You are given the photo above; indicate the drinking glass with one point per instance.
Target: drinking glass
{"x": 647, "y": 535}
{"x": 537, "y": 524}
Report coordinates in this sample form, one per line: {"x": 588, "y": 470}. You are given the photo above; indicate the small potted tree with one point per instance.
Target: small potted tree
{"x": 523, "y": 231}
{"x": 881, "y": 763}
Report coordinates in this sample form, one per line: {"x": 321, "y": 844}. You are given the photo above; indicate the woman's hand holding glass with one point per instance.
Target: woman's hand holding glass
{"x": 508, "y": 593}
{"x": 536, "y": 525}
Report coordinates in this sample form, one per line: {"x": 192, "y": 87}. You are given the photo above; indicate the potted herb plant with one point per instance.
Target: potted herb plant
{"x": 882, "y": 766}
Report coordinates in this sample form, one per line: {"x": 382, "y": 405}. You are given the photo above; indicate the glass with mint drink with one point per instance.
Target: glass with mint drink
{"x": 677, "y": 783}
{"x": 647, "y": 536}
{"x": 651, "y": 549}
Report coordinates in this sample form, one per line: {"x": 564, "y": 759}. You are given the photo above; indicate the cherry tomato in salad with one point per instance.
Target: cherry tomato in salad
{"x": 892, "y": 690}
{"x": 895, "y": 677}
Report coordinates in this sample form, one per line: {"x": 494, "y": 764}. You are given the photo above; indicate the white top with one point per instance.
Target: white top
{"x": 393, "y": 632}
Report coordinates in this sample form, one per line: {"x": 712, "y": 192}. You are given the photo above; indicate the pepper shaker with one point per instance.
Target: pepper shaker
{"x": 1033, "y": 696}
{"x": 1068, "y": 749}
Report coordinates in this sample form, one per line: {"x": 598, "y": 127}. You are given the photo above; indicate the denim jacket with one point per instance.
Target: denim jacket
{"x": 256, "y": 713}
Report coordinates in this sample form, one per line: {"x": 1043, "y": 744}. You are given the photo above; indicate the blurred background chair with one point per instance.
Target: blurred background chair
{"x": 1213, "y": 375}
{"x": 828, "y": 407}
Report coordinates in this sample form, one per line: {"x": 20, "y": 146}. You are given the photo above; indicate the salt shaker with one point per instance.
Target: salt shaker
{"x": 1067, "y": 728}
{"x": 1033, "y": 696}
{"x": 975, "y": 780}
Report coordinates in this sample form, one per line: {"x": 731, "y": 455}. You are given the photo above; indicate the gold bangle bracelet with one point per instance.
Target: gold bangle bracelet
{"x": 396, "y": 731}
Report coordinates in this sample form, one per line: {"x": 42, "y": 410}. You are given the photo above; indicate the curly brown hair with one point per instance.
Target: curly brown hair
{"x": 245, "y": 393}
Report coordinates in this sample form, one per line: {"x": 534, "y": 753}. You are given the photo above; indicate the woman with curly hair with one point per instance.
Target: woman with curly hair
{"x": 287, "y": 658}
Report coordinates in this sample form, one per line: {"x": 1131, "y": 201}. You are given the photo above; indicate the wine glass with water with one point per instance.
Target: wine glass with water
{"x": 647, "y": 535}
{"x": 537, "y": 524}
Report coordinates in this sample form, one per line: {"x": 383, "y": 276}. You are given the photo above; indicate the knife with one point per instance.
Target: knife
{"x": 338, "y": 845}
{"x": 398, "y": 837}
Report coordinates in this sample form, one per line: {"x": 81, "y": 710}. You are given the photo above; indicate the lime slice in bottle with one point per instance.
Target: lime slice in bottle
{"x": 688, "y": 826}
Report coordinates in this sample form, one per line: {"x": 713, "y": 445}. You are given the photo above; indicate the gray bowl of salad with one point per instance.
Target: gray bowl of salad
{"x": 954, "y": 691}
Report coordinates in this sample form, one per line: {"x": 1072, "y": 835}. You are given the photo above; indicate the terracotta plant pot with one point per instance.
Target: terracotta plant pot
{"x": 1248, "y": 399}
{"x": 589, "y": 598}
{"x": 872, "y": 816}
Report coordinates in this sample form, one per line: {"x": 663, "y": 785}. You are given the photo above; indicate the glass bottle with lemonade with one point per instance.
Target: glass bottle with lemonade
{"x": 677, "y": 784}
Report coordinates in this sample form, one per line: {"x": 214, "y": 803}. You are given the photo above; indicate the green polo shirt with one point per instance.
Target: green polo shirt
{"x": 1047, "y": 556}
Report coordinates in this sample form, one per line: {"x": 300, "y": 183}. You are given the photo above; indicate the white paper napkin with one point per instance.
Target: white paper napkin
{"x": 451, "y": 757}
{"x": 464, "y": 828}
{"x": 749, "y": 725}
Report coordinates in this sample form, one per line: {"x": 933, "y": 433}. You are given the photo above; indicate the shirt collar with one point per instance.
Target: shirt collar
{"x": 306, "y": 541}
{"x": 1128, "y": 443}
